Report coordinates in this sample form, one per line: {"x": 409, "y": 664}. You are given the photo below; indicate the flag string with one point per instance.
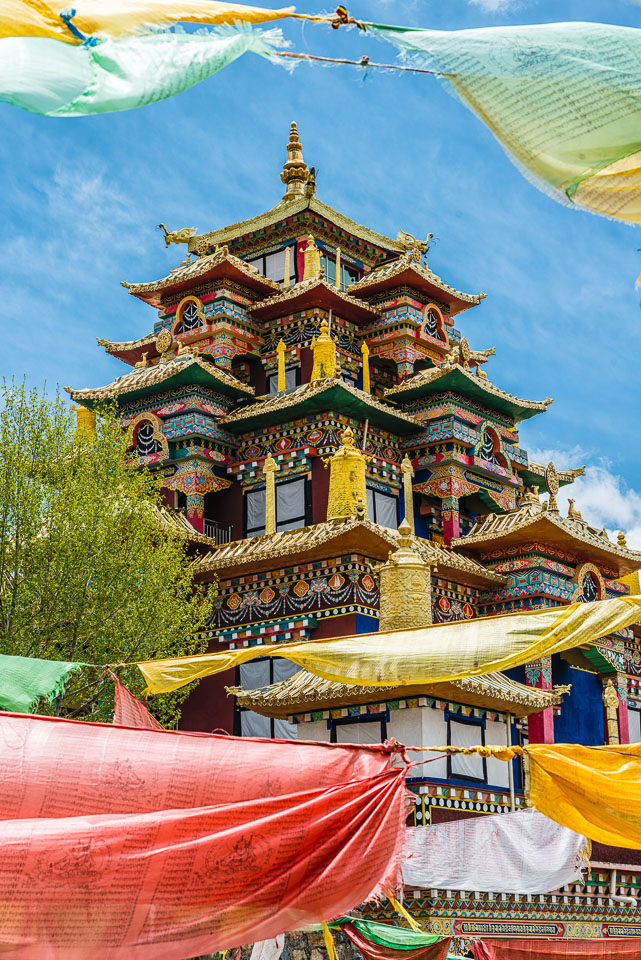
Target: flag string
{"x": 363, "y": 62}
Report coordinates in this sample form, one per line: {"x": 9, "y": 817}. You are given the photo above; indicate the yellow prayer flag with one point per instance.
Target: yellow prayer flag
{"x": 38, "y": 18}
{"x": 595, "y": 791}
{"x": 430, "y": 654}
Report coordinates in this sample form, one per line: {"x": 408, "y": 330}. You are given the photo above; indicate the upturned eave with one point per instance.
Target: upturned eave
{"x": 131, "y": 351}
{"x": 404, "y": 272}
{"x": 314, "y": 293}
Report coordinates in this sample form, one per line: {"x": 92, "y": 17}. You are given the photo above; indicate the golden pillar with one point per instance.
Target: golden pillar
{"x": 288, "y": 266}
{"x": 408, "y": 494}
{"x": 280, "y": 350}
{"x": 85, "y": 423}
{"x": 347, "y": 489}
{"x": 324, "y": 355}
{"x": 269, "y": 469}
{"x": 611, "y": 704}
{"x": 312, "y": 260}
{"x": 337, "y": 281}
{"x": 406, "y": 587}
{"x": 365, "y": 352}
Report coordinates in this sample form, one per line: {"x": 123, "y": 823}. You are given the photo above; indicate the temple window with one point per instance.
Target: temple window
{"x": 589, "y": 589}
{"x": 189, "y": 315}
{"x": 292, "y": 379}
{"x": 272, "y": 265}
{"x": 292, "y": 507}
{"x": 634, "y": 725}
{"x": 466, "y": 732}
{"x": 431, "y": 324}
{"x": 349, "y": 274}
{"x": 262, "y": 673}
{"x": 146, "y": 443}
{"x": 367, "y": 729}
{"x": 382, "y": 508}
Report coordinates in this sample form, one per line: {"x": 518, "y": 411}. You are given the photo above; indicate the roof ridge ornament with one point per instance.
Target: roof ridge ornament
{"x": 415, "y": 250}
{"x": 552, "y": 486}
{"x": 298, "y": 179}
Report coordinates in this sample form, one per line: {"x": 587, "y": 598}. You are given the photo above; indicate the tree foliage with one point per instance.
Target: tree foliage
{"x": 87, "y": 570}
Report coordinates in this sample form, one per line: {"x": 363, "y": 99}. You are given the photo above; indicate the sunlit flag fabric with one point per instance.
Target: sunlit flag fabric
{"x": 124, "y": 843}
{"x": 25, "y": 680}
{"x": 63, "y": 768}
{"x": 381, "y": 941}
{"x": 57, "y": 79}
{"x": 129, "y": 712}
{"x": 608, "y": 948}
{"x": 431, "y": 654}
{"x": 563, "y": 99}
{"x": 521, "y": 852}
{"x": 38, "y": 18}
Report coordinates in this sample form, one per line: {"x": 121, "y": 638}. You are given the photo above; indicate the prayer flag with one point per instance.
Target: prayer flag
{"x": 522, "y": 852}
{"x": 24, "y": 680}
{"x": 563, "y": 99}
{"x": 593, "y": 790}
{"x": 129, "y": 712}
{"x": 176, "y": 883}
{"x": 57, "y": 79}
{"x": 39, "y": 18}
{"x": 67, "y": 768}
{"x": 602, "y": 949}
{"x": 381, "y": 941}
{"x": 431, "y": 654}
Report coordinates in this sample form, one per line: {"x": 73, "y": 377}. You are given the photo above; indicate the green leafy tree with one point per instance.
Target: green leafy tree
{"x": 88, "y": 571}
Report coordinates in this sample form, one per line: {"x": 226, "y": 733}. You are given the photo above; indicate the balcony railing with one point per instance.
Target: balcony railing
{"x": 218, "y": 531}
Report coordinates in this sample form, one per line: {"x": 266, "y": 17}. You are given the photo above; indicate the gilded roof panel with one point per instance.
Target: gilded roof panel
{"x": 533, "y": 522}
{"x": 319, "y": 396}
{"x": 344, "y": 536}
{"x": 304, "y": 692}
{"x": 312, "y": 293}
{"x": 452, "y": 376}
{"x": 180, "y": 370}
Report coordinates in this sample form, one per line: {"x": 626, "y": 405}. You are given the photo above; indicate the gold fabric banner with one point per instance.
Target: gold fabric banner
{"x": 595, "y": 791}
{"x": 37, "y": 18}
{"x": 431, "y": 654}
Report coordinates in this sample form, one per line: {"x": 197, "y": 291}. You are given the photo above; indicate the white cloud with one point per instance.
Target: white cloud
{"x": 493, "y": 6}
{"x": 603, "y": 497}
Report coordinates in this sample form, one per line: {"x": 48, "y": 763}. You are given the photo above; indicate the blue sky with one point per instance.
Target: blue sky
{"x": 81, "y": 199}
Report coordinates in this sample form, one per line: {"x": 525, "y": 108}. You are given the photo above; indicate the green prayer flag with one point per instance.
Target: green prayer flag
{"x": 57, "y": 79}
{"x": 563, "y": 99}
{"x": 395, "y": 938}
{"x": 24, "y": 680}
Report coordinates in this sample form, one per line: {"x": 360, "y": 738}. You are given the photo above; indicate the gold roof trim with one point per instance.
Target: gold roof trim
{"x": 292, "y": 397}
{"x": 306, "y": 286}
{"x": 565, "y": 476}
{"x": 493, "y": 690}
{"x": 390, "y": 270}
{"x": 435, "y": 373}
{"x": 288, "y": 208}
{"x": 197, "y": 268}
{"x": 276, "y": 548}
{"x": 177, "y": 523}
{"x": 143, "y": 377}
{"x": 112, "y": 346}
{"x": 496, "y": 527}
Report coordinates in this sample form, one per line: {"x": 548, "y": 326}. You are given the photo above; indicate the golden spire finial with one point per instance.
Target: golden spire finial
{"x": 295, "y": 174}
{"x": 347, "y": 489}
{"x": 324, "y": 355}
{"x": 621, "y": 541}
{"x": 312, "y": 260}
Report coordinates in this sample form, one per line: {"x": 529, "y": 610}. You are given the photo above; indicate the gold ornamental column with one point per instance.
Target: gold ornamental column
{"x": 85, "y": 423}
{"x": 406, "y": 587}
{"x": 280, "y": 350}
{"x": 346, "y": 480}
{"x": 269, "y": 469}
{"x": 408, "y": 494}
{"x": 365, "y": 352}
{"x": 611, "y": 704}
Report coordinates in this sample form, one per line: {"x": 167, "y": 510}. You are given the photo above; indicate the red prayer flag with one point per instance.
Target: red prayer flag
{"x": 376, "y": 951}
{"x": 179, "y": 883}
{"x": 607, "y": 949}
{"x": 129, "y": 712}
{"x": 63, "y": 768}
